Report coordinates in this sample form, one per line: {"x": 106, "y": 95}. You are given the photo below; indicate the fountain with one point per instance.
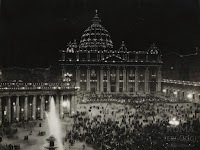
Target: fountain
{"x": 54, "y": 127}
{"x": 51, "y": 141}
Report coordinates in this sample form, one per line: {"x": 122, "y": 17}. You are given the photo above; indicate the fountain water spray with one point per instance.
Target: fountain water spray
{"x": 54, "y": 123}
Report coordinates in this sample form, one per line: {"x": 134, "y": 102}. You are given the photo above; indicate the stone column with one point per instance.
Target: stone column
{"x": 88, "y": 55}
{"x": 127, "y": 56}
{"x": 61, "y": 106}
{"x": 63, "y": 56}
{"x": 98, "y": 56}
{"x": 147, "y": 58}
{"x": 127, "y": 80}
{"x": 17, "y": 108}
{"x": 42, "y": 107}
{"x": 57, "y": 104}
{"x": 63, "y": 72}
{"x": 98, "y": 81}
{"x": 108, "y": 80}
{"x": 77, "y": 77}
{"x": 101, "y": 80}
{"x": 9, "y": 109}
{"x": 159, "y": 80}
{"x": 196, "y": 98}
{"x": 136, "y": 79}
{"x": 88, "y": 79}
{"x": 136, "y": 57}
{"x": 73, "y": 105}
{"x": 34, "y": 108}
{"x": 26, "y": 108}
{"x": 102, "y": 56}
{"x": 0, "y": 112}
{"x": 77, "y": 56}
{"x": 49, "y": 101}
{"x": 117, "y": 80}
{"x": 147, "y": 80}
{"x": 124, "y": 80}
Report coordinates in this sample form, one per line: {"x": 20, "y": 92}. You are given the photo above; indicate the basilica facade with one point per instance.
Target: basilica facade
{"x": 91, "y": 66}
{"x": 96, "y": 67}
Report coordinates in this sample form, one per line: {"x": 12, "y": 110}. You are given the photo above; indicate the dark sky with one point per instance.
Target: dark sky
{"x": 33, "y": 31}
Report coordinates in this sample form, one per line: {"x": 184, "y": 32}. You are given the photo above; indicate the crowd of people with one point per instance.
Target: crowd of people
{"x": 137, "y": 127}
{"x": 10, "y": 147}
{"x": 120, "y": 98}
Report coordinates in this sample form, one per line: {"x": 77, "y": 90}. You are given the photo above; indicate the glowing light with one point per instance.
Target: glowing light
{"x": 30, "y": 104}
{"x": 14, "y": 104}
{"x": 22, "y": 109}
{"x": 46, "y": 101}
{"x": 164, "y": 90}
{"x": 174, "y": 122}
{"x": 65, "y": 104}
{"x": 175, "y": 92}
{"x": 189, "y": 95}
{"x": 38, "y": 108}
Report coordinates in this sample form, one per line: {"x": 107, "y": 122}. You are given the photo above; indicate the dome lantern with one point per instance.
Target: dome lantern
{"x": 96, "y": 19}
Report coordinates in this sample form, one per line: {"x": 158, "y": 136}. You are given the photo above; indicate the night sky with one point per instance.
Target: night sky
{"x": 33, "y": 31}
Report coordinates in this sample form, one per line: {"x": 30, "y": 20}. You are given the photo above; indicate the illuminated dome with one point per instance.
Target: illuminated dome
{"x": 96, "y": 37}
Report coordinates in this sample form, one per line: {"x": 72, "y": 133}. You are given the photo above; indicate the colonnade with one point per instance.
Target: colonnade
{"x": 31, "y": 107}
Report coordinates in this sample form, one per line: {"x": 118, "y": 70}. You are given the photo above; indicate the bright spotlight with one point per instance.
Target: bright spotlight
{"x": 189, "y": 95}
{"x": 164, "y": 90}
{"x": 174, "y": 122}
{"x": 175, "y": 92}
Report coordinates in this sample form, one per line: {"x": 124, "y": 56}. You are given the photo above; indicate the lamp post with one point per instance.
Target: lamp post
{"x": 189, "y": 96}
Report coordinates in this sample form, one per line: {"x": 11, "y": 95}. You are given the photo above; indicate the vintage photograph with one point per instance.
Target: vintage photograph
{"x": 99, "y": 74}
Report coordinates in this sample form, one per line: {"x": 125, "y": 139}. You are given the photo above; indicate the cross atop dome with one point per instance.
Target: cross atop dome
{"x": 96, "y": 19}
